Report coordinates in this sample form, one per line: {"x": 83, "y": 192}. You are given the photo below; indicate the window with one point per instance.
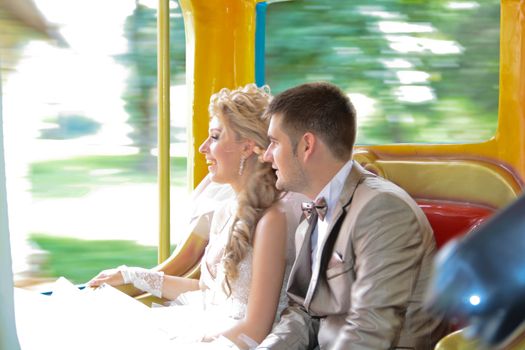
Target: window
{"x": 80, "y": 136}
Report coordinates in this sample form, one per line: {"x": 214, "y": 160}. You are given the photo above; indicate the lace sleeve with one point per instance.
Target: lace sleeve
{"x": 144, "y": 279}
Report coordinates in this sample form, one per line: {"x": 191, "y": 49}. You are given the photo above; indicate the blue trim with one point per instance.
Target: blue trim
{"x": 50, "y": 292}
{"x": 260, "y": 36}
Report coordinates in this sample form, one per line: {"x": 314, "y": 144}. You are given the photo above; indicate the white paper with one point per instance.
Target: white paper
{"x": 70, "y": 318}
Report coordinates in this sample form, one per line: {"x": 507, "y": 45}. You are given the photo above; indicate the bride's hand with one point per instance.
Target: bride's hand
{"x": 112, "y": 277}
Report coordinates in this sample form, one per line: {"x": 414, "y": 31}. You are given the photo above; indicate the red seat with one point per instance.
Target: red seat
{"x": 453, "y": 219}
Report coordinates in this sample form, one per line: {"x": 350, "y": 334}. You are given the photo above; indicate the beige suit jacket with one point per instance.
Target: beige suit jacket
{"x": 367, "y": 292}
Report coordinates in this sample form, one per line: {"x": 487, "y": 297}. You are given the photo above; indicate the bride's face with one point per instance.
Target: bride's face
{"x": 222, "y": 152}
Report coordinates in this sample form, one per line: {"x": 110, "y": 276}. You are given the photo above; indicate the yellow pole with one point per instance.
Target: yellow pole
{"x": 163, "y": 85}
{"x": 220, "y": 52}
{"x": 510, "y": 136}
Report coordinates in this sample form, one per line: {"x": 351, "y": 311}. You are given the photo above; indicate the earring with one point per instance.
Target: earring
{"x": 241, "y": 166}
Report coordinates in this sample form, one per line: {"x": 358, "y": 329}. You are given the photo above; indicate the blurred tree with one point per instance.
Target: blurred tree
{"x": 431, "y": 67}
{"x": 141, "y": 60}
{"x": 69, "y": 126}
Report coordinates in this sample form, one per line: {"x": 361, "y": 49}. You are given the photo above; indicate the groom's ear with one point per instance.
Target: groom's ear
{"x": 308, "y": 144}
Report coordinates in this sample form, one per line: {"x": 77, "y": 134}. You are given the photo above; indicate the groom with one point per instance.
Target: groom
{"x": 364, "y": 254}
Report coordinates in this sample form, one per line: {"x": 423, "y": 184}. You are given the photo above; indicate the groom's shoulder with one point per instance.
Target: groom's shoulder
{"x": 377, "y": 192}
{"x": 376, "y": 185}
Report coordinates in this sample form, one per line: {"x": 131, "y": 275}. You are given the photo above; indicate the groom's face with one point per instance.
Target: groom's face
{"x": 284, "y": 159}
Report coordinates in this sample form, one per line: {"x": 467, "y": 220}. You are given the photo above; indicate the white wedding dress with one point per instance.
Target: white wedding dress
{"x": 108, "y": 319}
{"x": 210, "y": 310}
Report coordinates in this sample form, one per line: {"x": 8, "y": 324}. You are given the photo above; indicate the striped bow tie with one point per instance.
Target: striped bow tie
{"x": 319, "y": 206}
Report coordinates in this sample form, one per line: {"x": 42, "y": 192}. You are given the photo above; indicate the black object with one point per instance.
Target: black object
{"x": 480, "y": 278}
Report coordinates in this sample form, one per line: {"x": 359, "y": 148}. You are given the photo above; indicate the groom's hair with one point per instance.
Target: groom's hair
{"x": 320, "y": 108}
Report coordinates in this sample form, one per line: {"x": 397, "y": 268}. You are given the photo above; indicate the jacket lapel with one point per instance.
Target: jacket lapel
{"x": 357, "y": 174}
{"x": 301, "y": 272}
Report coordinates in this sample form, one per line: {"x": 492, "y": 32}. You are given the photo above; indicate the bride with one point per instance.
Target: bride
{"x": 250, "y": 252}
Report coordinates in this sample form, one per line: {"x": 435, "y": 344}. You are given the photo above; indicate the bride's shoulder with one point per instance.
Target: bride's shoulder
{"x": 272, "y": 221}
{"x": 270, "y": 232}
{"x": 284, "y": 212}
{"x": 274, "y": 213}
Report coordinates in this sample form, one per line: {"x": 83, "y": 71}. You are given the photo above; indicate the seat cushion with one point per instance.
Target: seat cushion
{"x": 453, "y": 219}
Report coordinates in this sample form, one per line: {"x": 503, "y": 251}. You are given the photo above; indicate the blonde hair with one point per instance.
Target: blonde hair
{"x": 242, "y": 111}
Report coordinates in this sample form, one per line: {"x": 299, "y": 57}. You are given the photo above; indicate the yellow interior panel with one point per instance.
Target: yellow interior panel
{"x": 456, "y": 180}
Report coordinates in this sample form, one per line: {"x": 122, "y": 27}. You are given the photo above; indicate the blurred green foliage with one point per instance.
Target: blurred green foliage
{"x": 80, "y": 260}
{"x": 447, "y": 48}
{"x": 140, "y": 95}
{"x": 430, "y": 69}
{"x": 76, "y": 177}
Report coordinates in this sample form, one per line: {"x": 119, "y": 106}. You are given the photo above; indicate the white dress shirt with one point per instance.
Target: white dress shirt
{"x": 331, "y": 193}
